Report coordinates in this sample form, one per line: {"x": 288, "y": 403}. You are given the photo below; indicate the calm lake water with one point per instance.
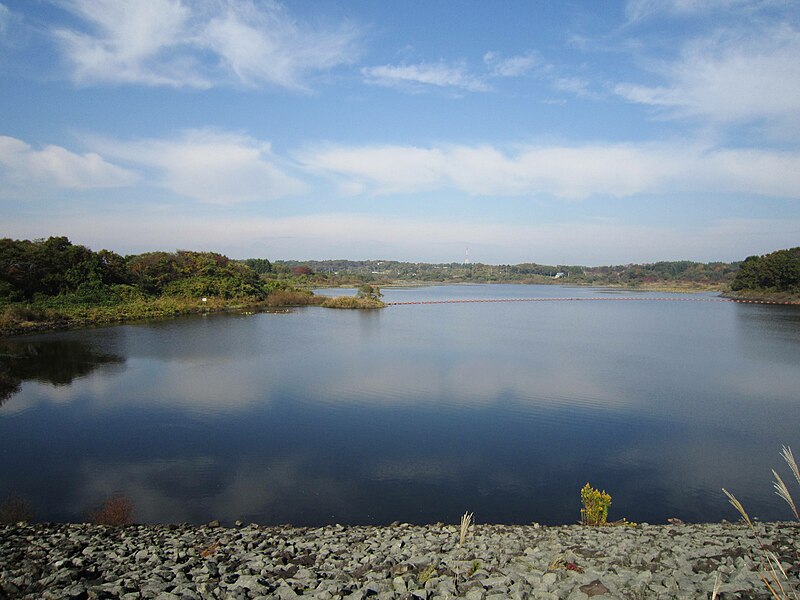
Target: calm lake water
{"x": 411, "y": 413}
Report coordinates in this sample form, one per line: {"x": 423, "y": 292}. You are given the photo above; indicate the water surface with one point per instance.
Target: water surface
{"x": 411, "y": 413}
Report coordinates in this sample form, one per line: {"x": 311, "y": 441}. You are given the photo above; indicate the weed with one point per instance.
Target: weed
{"x": 557, "y": 563}
{"x": 595, "y": 506}
{"x": 466, "y": 521}
{"x": 117, "y": 511}
{"x": 476, "y": 564}
{"x": 210, "y": 549}
{"x": 14, "y": 510}
{"x": 780, "y": 486}
{"x": 770, "y": 568}
{"x": 571, "y": 566}
{"x": 426, "y": 574}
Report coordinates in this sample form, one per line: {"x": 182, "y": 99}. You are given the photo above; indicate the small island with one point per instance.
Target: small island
{"x": 55, "y": 284}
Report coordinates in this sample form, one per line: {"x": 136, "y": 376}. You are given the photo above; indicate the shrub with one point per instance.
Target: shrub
{"x": 290, "y": 297}
{"x": 351, "y": 302}
{"x": 117, "y": 511}
{"x": 15, "y": 509}
{"x": 595, "y": 506}
{"x": 15, "y": 314}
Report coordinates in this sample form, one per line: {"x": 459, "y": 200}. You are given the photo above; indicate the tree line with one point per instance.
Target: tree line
{"x": 776, "y": 272}
{"x": 36, "y": 270}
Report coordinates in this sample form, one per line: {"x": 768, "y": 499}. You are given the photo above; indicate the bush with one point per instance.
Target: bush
{"x": 351, "y": 302}
{"x": 291, "y": 297}
{"x": 117, "y": 511}
{"x": 595, "y": 506}
{"x": 15, "y": 509}
{"x": 20, "y": 313}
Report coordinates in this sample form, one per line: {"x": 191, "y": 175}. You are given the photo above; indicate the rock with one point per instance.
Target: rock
{"x": 595, "y": 588}
{"x": 285, "y": 592}
{"x": 548, "y": 579}
{"x": 405, "y": 562}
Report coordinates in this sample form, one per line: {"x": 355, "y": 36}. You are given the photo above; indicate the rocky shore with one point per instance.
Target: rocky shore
{"x": 77, "y": 561}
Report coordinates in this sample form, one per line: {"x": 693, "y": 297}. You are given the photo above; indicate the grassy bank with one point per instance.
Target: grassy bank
{"x": 21, "y": 318}
{"x": 762, "y": 296}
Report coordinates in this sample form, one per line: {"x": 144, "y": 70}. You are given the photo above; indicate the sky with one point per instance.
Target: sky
{"x": 569, "y": 132}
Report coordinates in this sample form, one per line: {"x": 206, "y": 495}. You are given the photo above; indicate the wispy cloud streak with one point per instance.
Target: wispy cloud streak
{"x": 199, "y": 45}
{"x": 416, "y": 77}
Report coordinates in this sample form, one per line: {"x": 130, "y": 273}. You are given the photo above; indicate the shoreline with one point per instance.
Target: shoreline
{"x": 89, "y": 317}
{"x": 399, "y": 561}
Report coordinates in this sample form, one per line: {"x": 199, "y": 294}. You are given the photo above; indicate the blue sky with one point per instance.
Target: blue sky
{"x": 576, "y": 131}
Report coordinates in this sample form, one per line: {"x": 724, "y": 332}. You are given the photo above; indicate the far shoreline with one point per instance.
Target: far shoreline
{"x": 160, "y": 309}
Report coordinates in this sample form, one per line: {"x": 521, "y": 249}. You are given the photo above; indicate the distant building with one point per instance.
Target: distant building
{"x": 559, "y": 275}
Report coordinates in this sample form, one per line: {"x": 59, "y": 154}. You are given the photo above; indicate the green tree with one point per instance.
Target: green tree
{"x": 368, "y": 292}
{"x": 777, "y": 271}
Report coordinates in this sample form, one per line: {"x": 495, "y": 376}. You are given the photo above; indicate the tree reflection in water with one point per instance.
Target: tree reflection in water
{"x": 54, "y": 362}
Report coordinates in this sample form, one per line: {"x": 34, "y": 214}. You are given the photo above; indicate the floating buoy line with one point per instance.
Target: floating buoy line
{"x": 591, "y": 299}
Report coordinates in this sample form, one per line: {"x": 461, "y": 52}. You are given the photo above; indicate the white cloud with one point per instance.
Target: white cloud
{"x": 211, "y": 166}
{"x": 640, "y": 10}
{"x": 57, "y": 166}
{"x": 5, "y": 18}
{"x": 569, "y": 172}
{"x": 750, "y": 76}
{"x": 198, "y": 44}
{"x": 513, "y": 66}
{"x": 131, "y": 42}
{"x": 573, "y": 85}
{"x": 382, "y": 169}
{"x": 452, "y": 75}
{"x": 417, "y": 77}
{"x": 409, "y": 238}
{"x": 262, "y": 43}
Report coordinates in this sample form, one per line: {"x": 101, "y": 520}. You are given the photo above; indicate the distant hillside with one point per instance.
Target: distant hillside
{"x": 683, "y": 273}
{"x": 774, "y": 273}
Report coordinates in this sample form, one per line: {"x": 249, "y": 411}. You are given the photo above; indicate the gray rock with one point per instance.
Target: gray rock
{"x": 404, "y": 562}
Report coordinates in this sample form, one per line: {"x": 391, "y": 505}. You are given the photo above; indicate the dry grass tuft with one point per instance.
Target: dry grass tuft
{"x": 770, "y": 569}
{"x": 466, "y": 521}
{"x": 717, "y": 586}
{"x": 780, "y": 487}
{"x": 117, "y": 511}
{"x": 210, "y": 549}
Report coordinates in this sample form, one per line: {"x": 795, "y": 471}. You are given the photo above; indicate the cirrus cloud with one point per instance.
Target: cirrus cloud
{"x": 199, "y": 44}
{"x": 733, "y": 76}
{"x": 417, "y": 77}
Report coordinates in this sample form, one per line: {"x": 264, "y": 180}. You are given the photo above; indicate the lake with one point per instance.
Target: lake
{"x": 412, "y": 413}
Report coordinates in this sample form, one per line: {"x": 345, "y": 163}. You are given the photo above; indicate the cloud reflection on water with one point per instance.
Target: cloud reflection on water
{"x": 414, "y": 414}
